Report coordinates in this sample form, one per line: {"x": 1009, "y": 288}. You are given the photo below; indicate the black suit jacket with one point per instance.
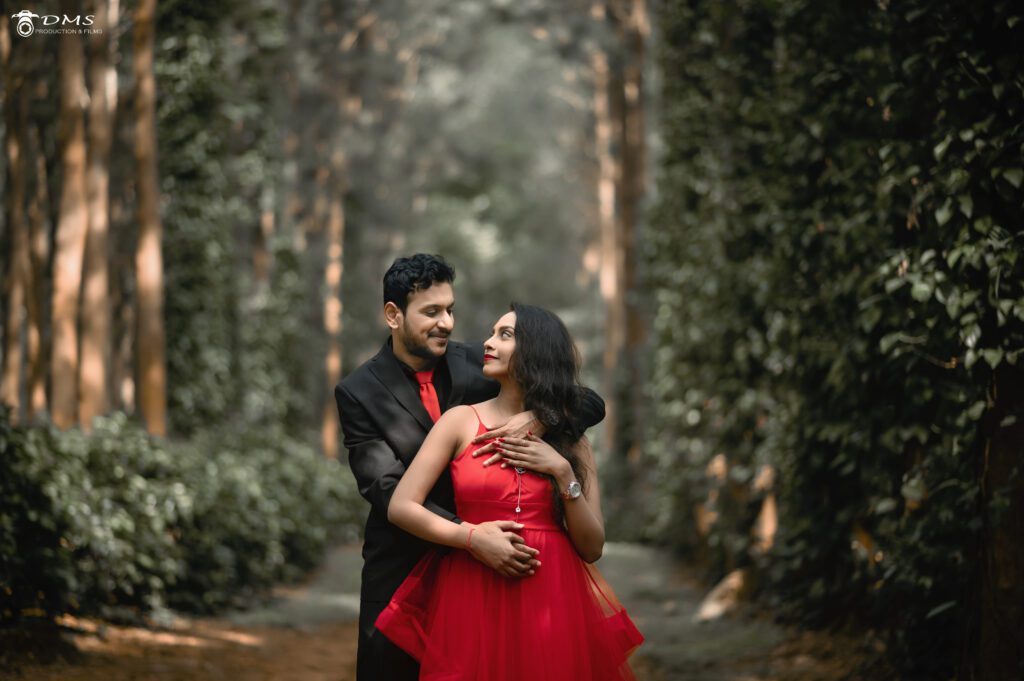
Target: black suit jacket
{"x": 384, "y": 424}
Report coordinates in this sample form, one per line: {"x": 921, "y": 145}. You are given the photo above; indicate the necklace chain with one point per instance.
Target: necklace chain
{"x": 519, "y": 497}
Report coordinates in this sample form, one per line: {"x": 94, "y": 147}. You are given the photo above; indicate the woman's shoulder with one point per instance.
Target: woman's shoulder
{"x": 461, "y": 411}
{"x": 461, "y": 424}
{"x": 458, "y": 416}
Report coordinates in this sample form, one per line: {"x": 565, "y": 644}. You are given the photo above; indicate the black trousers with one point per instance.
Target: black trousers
{"x": 378, "y": 659}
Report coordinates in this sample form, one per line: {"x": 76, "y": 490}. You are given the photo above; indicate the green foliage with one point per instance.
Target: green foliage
{"x": 215, "y": 67}
{"x": 837, "y": 275}
{"x": 87, "y": 521}
{"x": 113, "y": 521}
{"x": 276, "y": 349}
{"x": 203, "y": 202}
{"x": 265, "y": 508}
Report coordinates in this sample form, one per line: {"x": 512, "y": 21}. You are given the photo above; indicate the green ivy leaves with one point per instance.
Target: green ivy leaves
{"x": 882, "y": 145}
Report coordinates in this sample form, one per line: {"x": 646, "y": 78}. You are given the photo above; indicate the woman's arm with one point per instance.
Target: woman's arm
{"x": 583, "y": 518}
{"x": 491, "y": 543}
{"x": 406, "y": 509}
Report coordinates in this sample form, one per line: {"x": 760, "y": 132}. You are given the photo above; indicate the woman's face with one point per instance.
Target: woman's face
{"x": 498, "y": 349}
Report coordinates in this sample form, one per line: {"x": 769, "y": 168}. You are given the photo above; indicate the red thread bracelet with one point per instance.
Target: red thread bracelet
{"x": 469, "y": 538}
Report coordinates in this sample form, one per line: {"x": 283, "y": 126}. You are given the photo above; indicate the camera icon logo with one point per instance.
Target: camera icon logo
{"x": 25, "y": 26}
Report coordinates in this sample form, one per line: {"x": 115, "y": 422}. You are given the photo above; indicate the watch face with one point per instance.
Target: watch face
{"x": 574, "y": 490}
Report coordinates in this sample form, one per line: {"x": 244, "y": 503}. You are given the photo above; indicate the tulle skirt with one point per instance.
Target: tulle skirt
{"x": 465, "y": 622}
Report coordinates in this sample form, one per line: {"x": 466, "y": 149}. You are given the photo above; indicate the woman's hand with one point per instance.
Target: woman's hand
{"x": 533, "y": 454}
{"x": 519, "y": 426}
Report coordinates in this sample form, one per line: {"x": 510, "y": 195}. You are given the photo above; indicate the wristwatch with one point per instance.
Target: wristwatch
{"x": 573, "y": 491}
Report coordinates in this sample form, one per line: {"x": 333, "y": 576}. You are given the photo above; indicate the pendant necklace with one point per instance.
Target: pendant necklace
{"x": 519, "y": 496}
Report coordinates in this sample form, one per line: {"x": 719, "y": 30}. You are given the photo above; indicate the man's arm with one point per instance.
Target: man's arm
{"x": 591, "y": 410}
{"x": 375, "y": 465}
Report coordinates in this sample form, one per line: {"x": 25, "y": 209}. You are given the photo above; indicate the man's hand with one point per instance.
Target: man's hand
{"x": 495, "y": 545}
{"x": 519, "y": 426}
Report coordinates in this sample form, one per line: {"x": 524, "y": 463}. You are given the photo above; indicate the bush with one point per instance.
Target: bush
{"x": 265, "y": 508}
{"x": 87, "y": 521}
{"x": 116, "y": 521}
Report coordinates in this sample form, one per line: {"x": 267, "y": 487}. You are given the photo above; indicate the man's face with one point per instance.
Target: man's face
{"x": 428, "y": 320}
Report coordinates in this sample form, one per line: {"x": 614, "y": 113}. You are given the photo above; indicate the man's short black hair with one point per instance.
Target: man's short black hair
{"x": 415, "y": 273}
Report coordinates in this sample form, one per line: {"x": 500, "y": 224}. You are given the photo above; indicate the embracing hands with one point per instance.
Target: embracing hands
{"x": 533, "y": 454}
{"x": 519, "y": 426}
{"x": 494, "y": 544}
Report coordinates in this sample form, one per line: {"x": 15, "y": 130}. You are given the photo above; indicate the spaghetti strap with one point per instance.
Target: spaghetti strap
{"x": 479, "y": 420}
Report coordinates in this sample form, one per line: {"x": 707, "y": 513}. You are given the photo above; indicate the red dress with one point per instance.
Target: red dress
{"x": 465, "y": 622}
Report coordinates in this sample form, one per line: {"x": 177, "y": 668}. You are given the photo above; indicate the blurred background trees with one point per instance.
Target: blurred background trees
{"x": 839, "y": 328}
{"x": 203, "y": 199}
{"x": 786, "y": 237}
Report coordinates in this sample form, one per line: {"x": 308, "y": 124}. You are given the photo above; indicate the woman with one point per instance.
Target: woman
{"x": 460, "y": 619}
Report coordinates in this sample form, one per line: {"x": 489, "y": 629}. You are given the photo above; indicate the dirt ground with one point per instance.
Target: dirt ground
{"x": 309, "y": 634}
{"x": 201, "y": 649}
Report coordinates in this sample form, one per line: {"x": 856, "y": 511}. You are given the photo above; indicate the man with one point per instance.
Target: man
{"x": 386, "y": 407}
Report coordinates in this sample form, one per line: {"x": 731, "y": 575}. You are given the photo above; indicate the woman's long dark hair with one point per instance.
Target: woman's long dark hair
{"x": 546, "y": 365}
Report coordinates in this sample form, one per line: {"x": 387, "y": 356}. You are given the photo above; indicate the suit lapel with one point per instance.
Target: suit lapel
{"x": 456, "y": 362}
{"x": 389, "y": 372}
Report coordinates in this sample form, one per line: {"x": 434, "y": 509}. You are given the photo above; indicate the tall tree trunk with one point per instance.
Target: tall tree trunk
{"x": 999, "y": 653}
{"x": 261, "y": 258}
{"x": 610, "y": 269}
{"x": 122, "y": 287}
{"x": 122, "y": 374}
{"x": 71, "y": 229}
{"x": 333, "y": 302}
{"x": 149, "y": 271}
{"x": 633, "y": 29}
{"x": 39, "y": 239}
{"x": 18, "y": 266}
{"x": 94, "y": 377}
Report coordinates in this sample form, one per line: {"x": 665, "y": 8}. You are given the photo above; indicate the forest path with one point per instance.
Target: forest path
{"x": 308, "y": 633}
{"x": 663, "y": 597}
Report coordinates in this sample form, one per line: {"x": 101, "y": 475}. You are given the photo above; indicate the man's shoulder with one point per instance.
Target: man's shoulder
{"x": 367, "y": 373}
{"x": 465, "y": 352}
{"x": 360, "y": 376}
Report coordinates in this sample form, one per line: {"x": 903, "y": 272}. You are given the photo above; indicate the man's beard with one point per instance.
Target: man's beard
{"x": 421, "y": 350}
